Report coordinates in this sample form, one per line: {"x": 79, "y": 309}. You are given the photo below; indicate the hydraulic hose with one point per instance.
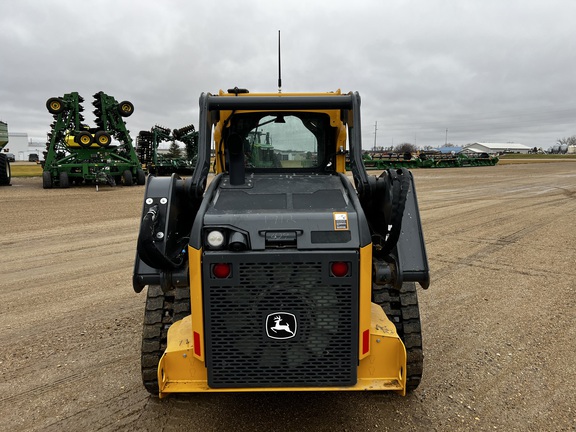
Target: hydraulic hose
{"x": 147, "y": 248}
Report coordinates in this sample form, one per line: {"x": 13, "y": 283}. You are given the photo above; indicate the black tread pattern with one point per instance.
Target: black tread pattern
{"x": 162, "y": 309}
{"x": 181, "y": 303}
{"x": 47, "y": 180}
{"x": 401, "y": 307}
{"x": 158, "y": 317}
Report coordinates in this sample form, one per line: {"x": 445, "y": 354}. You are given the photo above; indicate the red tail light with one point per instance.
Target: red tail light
{"x": 221, "y": 270}
{"x": 339, "y": 268}
{"x": 365, "y": 341}
{"x": 197, "y": 349}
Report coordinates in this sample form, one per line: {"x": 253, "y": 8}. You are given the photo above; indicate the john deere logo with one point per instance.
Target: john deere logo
{"x": 281, "y": 325}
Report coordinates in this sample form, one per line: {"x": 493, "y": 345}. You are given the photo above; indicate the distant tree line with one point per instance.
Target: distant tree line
{"x": 571, "y": 140}
{"x": 406, "y": 147}
{"x": 562, "y": 145}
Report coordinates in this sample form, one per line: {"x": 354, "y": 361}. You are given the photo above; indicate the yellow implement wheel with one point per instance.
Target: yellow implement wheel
{"x": 55, "y": 105}
{"x": 102, "y": 138}
{"x": 84, "y": 139}
{"x": 125, "y": 108}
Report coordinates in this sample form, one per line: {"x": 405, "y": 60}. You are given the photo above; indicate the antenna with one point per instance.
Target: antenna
{"x": 279, "y": 68}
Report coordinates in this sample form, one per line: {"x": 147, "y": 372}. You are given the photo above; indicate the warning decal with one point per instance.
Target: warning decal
{"x": 340, "y": 221}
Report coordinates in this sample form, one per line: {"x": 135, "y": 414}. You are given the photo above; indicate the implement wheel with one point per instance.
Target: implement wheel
{"x": 102, "y": 138}
{"x": 64, "y": 180}
{"x": 162, "y": 309}
{"x": 83, "y": 139}
{"x": 401, "y": 307}
{"x": 47, "y": 180}
{"x": 5, "y": 173}
{"x": 140, "y": 177}
{"x": 55, "y": 105}
{"x": 125, "y": 109}
{"x": 128, "y": 178}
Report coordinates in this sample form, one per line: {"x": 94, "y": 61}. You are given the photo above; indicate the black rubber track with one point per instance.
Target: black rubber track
{"x": 162, "y": 309}
{"x": 401, "y": 307}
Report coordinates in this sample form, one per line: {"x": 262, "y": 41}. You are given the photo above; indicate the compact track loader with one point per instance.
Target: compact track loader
{"x": 279, "y": 274}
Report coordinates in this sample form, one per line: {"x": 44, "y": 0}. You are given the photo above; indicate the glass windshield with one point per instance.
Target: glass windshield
{"x": 289, "y": 141}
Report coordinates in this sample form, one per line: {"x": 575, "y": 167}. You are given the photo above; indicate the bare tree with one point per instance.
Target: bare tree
{"x": 405, "y": 148}
{"x": 571, "y": 140}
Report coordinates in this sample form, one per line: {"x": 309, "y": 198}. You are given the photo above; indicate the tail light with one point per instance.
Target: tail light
{"x": 221, "y": 270}
{"x": 339, "y": 268}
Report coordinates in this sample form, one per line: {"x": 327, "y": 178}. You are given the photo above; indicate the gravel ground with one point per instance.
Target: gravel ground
{"x": 498, "y": 320}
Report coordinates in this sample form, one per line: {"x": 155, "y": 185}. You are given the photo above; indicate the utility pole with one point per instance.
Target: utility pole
{"x": 446, "y": 142}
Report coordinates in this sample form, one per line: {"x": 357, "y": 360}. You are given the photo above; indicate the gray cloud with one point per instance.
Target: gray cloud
{"x": 486, "y": 71}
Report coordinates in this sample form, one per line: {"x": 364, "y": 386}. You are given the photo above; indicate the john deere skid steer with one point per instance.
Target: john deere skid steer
{"x": 279, "y": 274}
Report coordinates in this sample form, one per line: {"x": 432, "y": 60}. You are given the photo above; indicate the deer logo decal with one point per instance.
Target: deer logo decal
{"x": 281, "y": 325}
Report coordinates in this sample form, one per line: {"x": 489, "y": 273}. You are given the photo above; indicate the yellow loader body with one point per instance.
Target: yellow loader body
{"x": 179, "y": 371}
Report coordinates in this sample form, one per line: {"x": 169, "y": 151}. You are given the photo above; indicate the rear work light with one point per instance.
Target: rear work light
{"x": 215, "y": 239}
{"x": 339, "y": 268}
{"x": 221, "y": 270}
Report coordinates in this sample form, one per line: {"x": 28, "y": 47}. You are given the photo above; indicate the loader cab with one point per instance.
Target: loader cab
{"x": 266, "y": 141}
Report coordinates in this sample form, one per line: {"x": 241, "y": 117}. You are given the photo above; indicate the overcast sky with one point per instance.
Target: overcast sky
{"x": 427, "y": 70}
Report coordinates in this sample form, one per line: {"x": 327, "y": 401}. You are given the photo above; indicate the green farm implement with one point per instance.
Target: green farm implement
{"x": 382, "y": 161}
{"x": 443, "y": 160}
{"x": 76, "y": 153}
{"x": 157, "y": 163}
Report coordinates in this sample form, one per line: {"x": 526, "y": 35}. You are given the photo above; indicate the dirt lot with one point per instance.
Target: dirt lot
{"x": 498, "y": 320}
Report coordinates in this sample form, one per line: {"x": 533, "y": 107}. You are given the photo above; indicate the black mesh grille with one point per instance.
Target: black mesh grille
{"x": 323, "y": 351}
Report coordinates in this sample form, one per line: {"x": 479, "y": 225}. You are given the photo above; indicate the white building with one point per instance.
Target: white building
{"x": 494, "y": 148}
{"x": 18, "y": 145}
{"x": 22, "y": 147}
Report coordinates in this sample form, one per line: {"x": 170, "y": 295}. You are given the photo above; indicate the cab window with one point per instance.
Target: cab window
{"x": 284, "y": 140}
